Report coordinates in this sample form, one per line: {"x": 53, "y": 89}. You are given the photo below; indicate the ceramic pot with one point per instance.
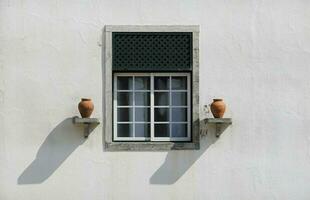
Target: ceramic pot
{"x": 86, "y": 107}
{"x": 218, "y": 108}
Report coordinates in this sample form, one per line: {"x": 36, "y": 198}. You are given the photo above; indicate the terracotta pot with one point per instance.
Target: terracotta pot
{"x": 86, "y": 107}
{"x": 218, "y": 108}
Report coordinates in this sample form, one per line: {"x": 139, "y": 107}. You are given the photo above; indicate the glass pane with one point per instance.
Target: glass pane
{"x": 124, "y": 98}
{"x": 161, "y": 130}
{"x": 179, "y": 130}
{"x": 161, "y": 83}
{"x": 162, "y": 114}
{"x": 142, "y": 98}
{"x": 142, "y": 83}
{"x": 124, "y": 83}
{"x": 161, "y": 98}
{"x": 179, "y": 83}
{"x": 142, "y": 114}
{"x": 142, "y": 130}
{"x": 179, "y": 114}
{"x": 124, "y": 114}
{"x": 124, "y": 130}
{"x": 179, "y": 98}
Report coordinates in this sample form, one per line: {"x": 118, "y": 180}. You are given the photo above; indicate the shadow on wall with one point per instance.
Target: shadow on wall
{"x": 56, "y": 148}
{"x": 178, "y": 162}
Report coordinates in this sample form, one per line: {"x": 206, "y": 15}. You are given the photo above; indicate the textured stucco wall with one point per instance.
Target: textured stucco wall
{"x": 255, "y": 54}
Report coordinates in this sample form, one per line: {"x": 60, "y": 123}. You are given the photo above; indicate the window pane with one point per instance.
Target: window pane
{"x": 142, "y": 130}
{"x": 179, "y": 130}
{"x": 161, "y": 130}
{"x": 124, "y": 130}
{"x": 162, "y": 114}
{"x": 124, "y": 83}
{"x": 161, "y": 83}
{"x": 179, "y": 98}
{"x": 142, "y": 83}
{"x": 124, "y": 114}
{"x": 179, "y": 83}
{"x": 124, "y": 98}
{"x": 142, "y": 114}
{"x": 142, "y": 98}
{"x": 161, "y": 98}
{"x": 179, "y": 114}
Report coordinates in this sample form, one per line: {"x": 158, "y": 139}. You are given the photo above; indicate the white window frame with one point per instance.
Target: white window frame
{"x": 152, "y": 107}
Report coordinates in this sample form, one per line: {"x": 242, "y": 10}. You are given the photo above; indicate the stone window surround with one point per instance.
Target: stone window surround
{"x": 111, "y": 145}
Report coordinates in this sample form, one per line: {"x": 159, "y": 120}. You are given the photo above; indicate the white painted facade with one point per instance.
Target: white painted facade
{"x": 254, "y": 54}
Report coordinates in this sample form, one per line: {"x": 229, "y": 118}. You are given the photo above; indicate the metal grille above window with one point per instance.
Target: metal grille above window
{"x": 152, "y": 51}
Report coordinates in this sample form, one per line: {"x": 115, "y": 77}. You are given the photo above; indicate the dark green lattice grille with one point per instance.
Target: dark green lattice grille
{"x": 152, "y": 51}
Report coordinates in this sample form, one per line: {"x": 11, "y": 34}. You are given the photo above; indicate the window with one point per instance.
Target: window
{"x": 151, "y": 87}
{"x": 152, "y": 107}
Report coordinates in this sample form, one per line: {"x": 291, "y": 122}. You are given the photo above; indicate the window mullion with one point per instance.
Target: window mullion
{"x": 133, "y": 107}
{"x": 152, "y": 107}
{"x": 170, "y": 109}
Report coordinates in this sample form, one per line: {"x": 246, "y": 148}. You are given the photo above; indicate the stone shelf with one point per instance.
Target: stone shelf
{"x": 87, "y": 122}
{"x": 219, "y": 122}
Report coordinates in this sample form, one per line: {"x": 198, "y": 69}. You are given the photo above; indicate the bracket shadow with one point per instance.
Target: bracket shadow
{"x": 56, "y": 148}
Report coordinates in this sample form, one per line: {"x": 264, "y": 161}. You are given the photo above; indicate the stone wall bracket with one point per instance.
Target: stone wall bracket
{"x": 87, "y": 122}
{"x": 219, "y": 123}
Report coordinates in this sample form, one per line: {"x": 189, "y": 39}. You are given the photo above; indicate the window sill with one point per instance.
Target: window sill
{"x": 151, "y": 146}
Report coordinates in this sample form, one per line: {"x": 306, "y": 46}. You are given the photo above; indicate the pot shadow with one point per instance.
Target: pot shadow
{"x": 178, "y": 162}
{"x": 56, "y": 148}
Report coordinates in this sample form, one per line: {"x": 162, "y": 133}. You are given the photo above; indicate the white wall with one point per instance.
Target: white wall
{"x": 255, "y": 54}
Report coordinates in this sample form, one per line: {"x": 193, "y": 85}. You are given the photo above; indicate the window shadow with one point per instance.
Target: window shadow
{"x": 56, "y": 148}
{"x": 178, "y": 162}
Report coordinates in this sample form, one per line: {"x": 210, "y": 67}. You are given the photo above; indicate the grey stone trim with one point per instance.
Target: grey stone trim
{"x": 110, "y": 145}
{"x": 78, "y": 120}
{"x": 151, "y": 28}
{"x": 151, "y": 146}
{"x": 107, "y": 87}
{"x": 218, "y": 120}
